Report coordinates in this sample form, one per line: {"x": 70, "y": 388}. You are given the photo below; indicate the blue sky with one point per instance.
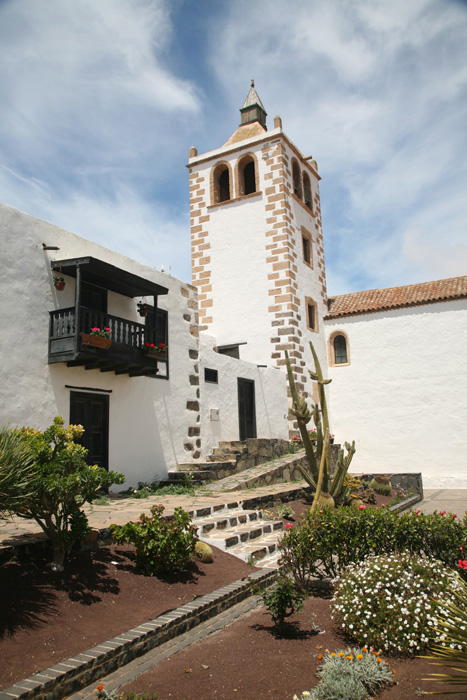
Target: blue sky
{"x": 100, "y": 102}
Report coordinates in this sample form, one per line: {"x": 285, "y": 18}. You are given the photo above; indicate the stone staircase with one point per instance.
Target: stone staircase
{"x": 230, "y": 458}
{"x": 241, "y": 532}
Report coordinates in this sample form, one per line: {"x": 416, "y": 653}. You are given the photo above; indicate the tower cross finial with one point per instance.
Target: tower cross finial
{"x": 252, "y": 83}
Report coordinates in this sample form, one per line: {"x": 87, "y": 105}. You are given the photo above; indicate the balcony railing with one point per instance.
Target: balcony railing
{"x": 125, "y": 355}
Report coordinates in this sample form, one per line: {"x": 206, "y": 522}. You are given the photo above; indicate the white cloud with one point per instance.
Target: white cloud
{"x": 88, "y": 73}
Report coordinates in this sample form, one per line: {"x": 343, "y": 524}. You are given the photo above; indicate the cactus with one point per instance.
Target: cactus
{"x": 332, "y": 487}
{"x": 203, "y": 552}
{"x": 381, "y": 485}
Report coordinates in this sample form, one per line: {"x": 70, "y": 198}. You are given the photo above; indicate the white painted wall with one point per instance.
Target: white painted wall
{"x": 404, "y": 396}
{"x": 148, "y": 417}
{"x": 238, "y": 258}
{"x": 270, "y": 397}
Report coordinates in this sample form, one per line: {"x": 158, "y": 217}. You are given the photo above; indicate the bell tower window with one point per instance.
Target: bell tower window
{"x": 307, "y": 191}
{"x": 246, "y": 176}
{"x": 224, "y": 186}
{"x": 221, "y": 183}
{"x": 297, "y": 180}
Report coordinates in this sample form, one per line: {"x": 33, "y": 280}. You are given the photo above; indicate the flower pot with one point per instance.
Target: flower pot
{"x": 143, "y": 312}
{"x": 156, "y": 354}
{"x": 60, "y": 285}
{"x": 96, "y": 340}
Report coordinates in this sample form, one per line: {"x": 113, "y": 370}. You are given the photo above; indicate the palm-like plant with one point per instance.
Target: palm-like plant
{"x": 16, "y": 471}
{"x": 453, "y": 655}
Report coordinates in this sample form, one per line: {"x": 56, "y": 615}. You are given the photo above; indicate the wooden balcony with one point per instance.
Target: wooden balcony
{"x": 126, "y": 354}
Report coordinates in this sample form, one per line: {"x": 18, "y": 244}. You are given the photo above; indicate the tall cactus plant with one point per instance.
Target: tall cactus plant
{"x": 332, "y": 486}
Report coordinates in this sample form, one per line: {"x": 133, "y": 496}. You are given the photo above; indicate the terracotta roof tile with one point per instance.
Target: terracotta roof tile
{"x": 372, "y": 300}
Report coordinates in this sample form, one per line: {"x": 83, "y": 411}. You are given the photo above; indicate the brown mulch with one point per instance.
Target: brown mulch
{"x": 248, "y": 661}
{"x": 47, "y": 617}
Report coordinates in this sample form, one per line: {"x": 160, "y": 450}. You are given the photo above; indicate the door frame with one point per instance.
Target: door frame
{"x": 242, "y": 415}
{"x": 104, "y": 399}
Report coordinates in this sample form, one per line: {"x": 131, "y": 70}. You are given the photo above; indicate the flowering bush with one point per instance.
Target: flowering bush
{"x": 162, "y": 347}
{"x": 392, "y": 602}
{"x": 351, "y": 674}
{"x": 330, "y": 539}
{"x": 104, "y": 333}
{"x": 162, "y": 545}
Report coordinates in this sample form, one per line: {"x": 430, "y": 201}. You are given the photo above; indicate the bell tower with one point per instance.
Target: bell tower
{"x": 257, "y": 245}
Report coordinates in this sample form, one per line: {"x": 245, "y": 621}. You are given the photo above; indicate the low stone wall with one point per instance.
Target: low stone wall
{"x": 71, "y": 675}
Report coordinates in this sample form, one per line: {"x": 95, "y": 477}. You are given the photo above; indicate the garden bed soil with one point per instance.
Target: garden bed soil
{"x": 248, "y": 661}
{"x": 47, "y": 617}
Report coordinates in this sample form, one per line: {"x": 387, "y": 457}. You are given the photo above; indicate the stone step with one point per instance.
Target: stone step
{"x": 233, "y": 444}
{"x": 264, "y": 552}
{"x": 227, "y": 521}
{"x": 242, "y": 533}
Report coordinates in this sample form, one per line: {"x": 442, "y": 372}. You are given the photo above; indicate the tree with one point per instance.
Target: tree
{"x": 62, "y": 483}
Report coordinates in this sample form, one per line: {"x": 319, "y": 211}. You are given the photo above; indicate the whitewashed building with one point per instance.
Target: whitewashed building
{"x": 395, "y": 356}
{"x": 142, "y": 415}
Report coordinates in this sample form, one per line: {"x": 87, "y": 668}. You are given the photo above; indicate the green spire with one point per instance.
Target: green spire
{"x": 252, "y": 109}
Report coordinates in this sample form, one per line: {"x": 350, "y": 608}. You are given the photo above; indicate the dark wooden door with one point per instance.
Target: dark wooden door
{"x": 246, "y": 408}
{"x": 92, "y": 412}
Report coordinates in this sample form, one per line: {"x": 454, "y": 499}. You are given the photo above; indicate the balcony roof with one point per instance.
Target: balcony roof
{"x": 108, "y": 276}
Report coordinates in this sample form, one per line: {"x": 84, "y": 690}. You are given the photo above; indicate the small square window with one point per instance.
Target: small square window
{"x": 211, "y": 376}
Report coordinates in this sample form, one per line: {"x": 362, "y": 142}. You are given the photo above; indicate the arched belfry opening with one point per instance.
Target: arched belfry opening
{"x": 247, "y": 175}
{"x": 307, "y": 191}
{"x": 297, "y": 180}
{"x": 252, "y": 109}
{"x": 221, "y": 184}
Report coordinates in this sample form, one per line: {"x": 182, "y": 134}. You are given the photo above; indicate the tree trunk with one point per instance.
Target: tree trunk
{"x": 59, "y": 556}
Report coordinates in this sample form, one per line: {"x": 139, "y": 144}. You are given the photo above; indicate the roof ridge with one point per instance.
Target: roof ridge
{"x": 373, "y": 300}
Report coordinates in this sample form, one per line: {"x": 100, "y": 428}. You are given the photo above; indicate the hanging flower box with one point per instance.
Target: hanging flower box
{"x": 97, "y": 338}
{"x": 159, "y": 352}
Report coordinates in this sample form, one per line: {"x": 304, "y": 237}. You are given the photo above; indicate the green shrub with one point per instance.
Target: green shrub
{"x": 391, "y": 602}
{"x": 283, "y": 599}
{"x": 156, "y": 488}
{"x": 350, "y": 674}
{"x": 285, "y": 511}
{"x": 329, "y": 540}
{"x": 62, "y": 483}
{"x": 16, "y": 471}
{"x": 162, "y": 545}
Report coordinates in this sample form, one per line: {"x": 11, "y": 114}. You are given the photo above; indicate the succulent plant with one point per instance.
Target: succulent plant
{"x": 318, "y": 474}
{"x": 381, "y": 485}
{"x": 203, "y": 552}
